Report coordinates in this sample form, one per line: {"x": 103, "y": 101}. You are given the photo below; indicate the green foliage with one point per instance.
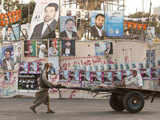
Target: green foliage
{"x": 139, "y": 15}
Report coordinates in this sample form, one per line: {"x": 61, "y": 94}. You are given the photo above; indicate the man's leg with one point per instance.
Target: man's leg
{"x": 36, "y": 104}
{"x": 48, "y": 106}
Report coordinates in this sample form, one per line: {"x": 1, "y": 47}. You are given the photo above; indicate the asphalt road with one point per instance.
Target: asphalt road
{"x": 73, "y": 109}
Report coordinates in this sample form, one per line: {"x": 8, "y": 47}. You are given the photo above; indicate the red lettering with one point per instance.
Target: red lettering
{"x": 14, "y": 16}
{"x": 2, "y": 19}
{"x": 6, "y": 19}
{"x": 19, "y": 14}
{"x": 10, "y": 17}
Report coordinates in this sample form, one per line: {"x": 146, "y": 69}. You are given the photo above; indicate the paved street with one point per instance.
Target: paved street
{"x": 73, "y": 109}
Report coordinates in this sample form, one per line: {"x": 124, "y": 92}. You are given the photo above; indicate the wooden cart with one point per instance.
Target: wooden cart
{"x": 129, "y": 99}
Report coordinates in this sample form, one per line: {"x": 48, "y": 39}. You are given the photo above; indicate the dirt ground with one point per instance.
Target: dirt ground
{"x": 73, "y": 109}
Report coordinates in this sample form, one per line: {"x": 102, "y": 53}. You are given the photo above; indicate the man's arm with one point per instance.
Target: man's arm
{"x": 46, "y": 82}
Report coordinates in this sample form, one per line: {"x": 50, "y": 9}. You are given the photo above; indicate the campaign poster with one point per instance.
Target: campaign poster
{"x": 76, "y": 75}
{"x": 24, "y": 31}
{"x": 8, "y": 84}
{"x": 68, "y": 48}
{"x": 7, "y": 76}
{"x": 33, "y": 67}
{"x": 42, "y": 48}
{"x": 66, "y": 75}
{"x": 54, "y": 48}
{"x": 7, "y": 58}
{"x": 18, "y": 52}
{"x": 97, "y": 25}
{"x": 93, "y": 15}
{"x": 72, "y": 77}
{"x": 103, "y": 48}
{"x": 30, "y": 48}
{"x": 11, "y": 33}
{"x": 44, "y": 19}
{"x": 99, "y": 76}
{"x": 107, "y": 78}
{"x": 63, "y": 20}
{"x": 114, "y": 24}
{"x": 24, "y": 68}
{"x": 54, "y": 71}
{"x": 150, "y": 34}
{"x": 88, "y": 75}
{"x": 68, "y": 30}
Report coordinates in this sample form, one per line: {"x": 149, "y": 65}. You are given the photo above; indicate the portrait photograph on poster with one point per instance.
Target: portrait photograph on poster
{"x": 24, "y": 31}
{"x": 54, "y": 47}
{"x": 54, "y": 65}
{"x": 18, "y": 52}
{"x": 23, "y": 69}
{"x": 11, "y": 33}
{"x": 68, "y": 48}
{"x": 103, "y": 48}
{"x": 97, "y": 25}
{"x": 30, "y": 48}
{"x": 68, "y": 30}
{"x": 42, "y": 48}
{"x": 7, "y": 58}
{"x": 33, "y": 67}
{"x": 44, "y": 20}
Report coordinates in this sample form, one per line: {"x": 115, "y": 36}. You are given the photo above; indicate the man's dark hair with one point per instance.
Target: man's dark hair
{"x": 99, "y": 15}
{"x": 55, "y": 5}
{"x": 8, "y": 27}
{"x": 8, "y": 50}
{"x": 70, "y": 19}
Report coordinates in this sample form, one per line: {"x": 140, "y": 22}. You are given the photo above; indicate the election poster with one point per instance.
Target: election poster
{"x": 44, "y": 19}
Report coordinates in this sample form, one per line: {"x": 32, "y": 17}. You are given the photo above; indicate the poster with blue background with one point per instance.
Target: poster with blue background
{"x": 114, "y": 24}
{"x": 2, "y": 53}
{"x": 12, "y": 33}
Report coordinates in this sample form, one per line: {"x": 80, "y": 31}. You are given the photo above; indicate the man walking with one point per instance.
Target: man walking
{"x": 42, "y": 96}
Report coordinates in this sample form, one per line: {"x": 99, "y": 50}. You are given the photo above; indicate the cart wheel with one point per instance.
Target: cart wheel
{"x": 116, "y": 102}
{"x": 133, "y": 102}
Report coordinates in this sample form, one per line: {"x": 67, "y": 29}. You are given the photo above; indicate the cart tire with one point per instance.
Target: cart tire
{"x": 133, "y": 102}
{"x": 116, "y": 102}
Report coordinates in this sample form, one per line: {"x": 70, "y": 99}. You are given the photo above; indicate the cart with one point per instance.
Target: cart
{"x": 129, "y": 99}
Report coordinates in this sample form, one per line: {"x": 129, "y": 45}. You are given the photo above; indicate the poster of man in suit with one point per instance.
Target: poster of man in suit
{"x": 44, "y": 20}
{"x": 97, "y": 25}
{"x": 7, "y": 58}
{"x": 68, "y": 48}
{"x": 68, "y": 28}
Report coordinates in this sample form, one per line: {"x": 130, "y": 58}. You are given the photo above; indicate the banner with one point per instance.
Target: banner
{"x": 10, "y": 17}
